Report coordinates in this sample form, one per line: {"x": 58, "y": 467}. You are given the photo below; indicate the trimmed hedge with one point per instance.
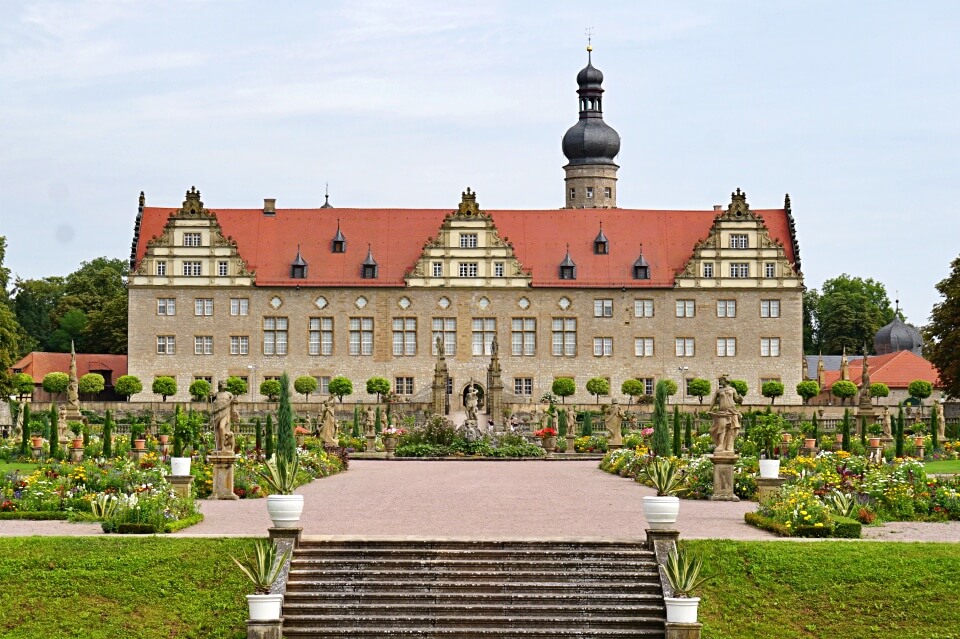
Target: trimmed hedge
{"x": 150, "y": 529}
{"x": 842, "y": 528}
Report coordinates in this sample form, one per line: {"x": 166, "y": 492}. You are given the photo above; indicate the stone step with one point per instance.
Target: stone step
{"x": 427, "y": 632}
{"x": 506, "y": 573}
{"x": 470, "y": 620}
{"x": 426, "y": 546}
{"x": 467, "y": 562}
{"x": 568, "y": 587}
{"x": 602, "y": 599}
{"x": 475, "y": 605}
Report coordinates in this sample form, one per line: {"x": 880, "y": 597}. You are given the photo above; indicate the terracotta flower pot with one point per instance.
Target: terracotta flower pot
{"x": 839, "y": 438}
{"x": 139, "y": 444}
{"x": 873, "y": 442}
{"x": 918, "y": 441}
{"x": 810, "y": 443}
{"x": 786, "y": 438}
{"x": 37, "y": 442}
{"x": 78, "y": 442}
{"x": 164, "y": 438}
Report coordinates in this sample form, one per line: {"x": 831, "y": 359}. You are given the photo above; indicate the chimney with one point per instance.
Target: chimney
{"x": 718, "y": 207}
{"x": 270, "y": 206}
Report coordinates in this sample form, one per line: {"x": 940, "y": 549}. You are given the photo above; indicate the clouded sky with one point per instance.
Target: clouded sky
{"x": 851, "y": 107}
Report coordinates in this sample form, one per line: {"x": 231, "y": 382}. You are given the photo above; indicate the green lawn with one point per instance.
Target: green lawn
{"x": 945, "y": 466}
{"x": 853, "y": 590}
{"x": 24, "y": 468}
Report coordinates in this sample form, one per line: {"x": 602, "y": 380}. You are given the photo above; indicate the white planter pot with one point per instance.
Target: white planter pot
{"x": 682, "y": 609}
{"x": 285, "y": 510}
{"x": 661, "y": 512}
{"x": 264, "y": 607}
{"x": 769, "y": 468}
{"x": 180, "y": 466}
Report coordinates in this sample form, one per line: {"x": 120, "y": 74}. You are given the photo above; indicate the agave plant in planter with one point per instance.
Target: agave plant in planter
{"x": 263, "y": 568}
{"x": 683, "y": 573}
{"x": 661, "y": 510}
{"x": 284, "y": 507}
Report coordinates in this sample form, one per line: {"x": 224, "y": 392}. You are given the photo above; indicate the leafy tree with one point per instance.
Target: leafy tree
{"x": 772, "y": 389}
{"x": 305, "y": 385}
{"x": 811, "y": 306}
{"x": 95, "y": 297}
{"x": 90, "y": 384}
{"x": 378, "y": 386}
{"x": 34, "y": 303}
{"x": 632, "y": 388}
{"x": 271, "y": 389}
{"x": 848, "y": 313}
{"x": 942, "y": 334}
{"x": 71, "y": 328}
{"x": 920, "y": 390}
{"x": 661, "y": 434}
{"x": 808, "y": 389}
{"x": 164, "y": 386}
{"x": 128, "y": 385}
{"x": 740, "y": 386}
{"x": 23, "y": 384}
{"x": 258, "y": 433}
{"x": 699, "y": 387}
{"x": 11, "y": 333}
{"x": 25, "y": 432}
{"x": 879, "y": 389}
{"x": 688, "y": 432}
{"x": 340, "y": 387}
{"x": 563, "y": 387}
{"x": 843, "y": 390}
{"x": 108, "y": 434}
{"x": 199, "y": 389}
{"x": 55, "y": 383}
{"x": 236, "y": 386}
{"x": 898, "y": 434}
{"x": 286, "y": 440}
{"x": 598, "y": 386}
{"x": 934, "y": 442}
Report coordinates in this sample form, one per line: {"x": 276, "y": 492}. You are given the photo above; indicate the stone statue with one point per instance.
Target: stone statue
{"x": 18, "y": 424}
{"x": 471, "y": 403}
{"x": 571, "y": 419}
{"x": 941, "y": 422}
{"x": 73, "y": 388}
{"x": 370, "y": 422}
{"x": 327, "y": 424}
{"x": 494, "y": 346}
{"x": 222, "y": 413}
{"x": 62, "y": 428}
{"x": 441, "y": 351}
{"x": 726, "y": 417}
{"x": 887, "y": 427}
{"x": 613, "y": 421}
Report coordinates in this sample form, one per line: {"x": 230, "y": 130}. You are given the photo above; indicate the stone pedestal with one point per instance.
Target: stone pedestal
{"x": 875, "y": 454}
{"x": 371, "y": 446}
{"x": 136, "y": 454}
{"x": 614, "y": 446}
{"x": 76, "y": 455}
{"x": 290, "y": 534}
{"x": 919, "y": 452}
{"x": 808, "y": 452}
{"x": 222, "y": 462}
{"x": 267, "y": 629}
{"x": 37, "y": 452}
{"x": 723, "y": 477}
{"x": 683, "y": 630}
{"x": 767, "y": 486}
{"x": 181, "y": 484}
{"x": 657, "y": 536}
{"x": 570, "y": 439}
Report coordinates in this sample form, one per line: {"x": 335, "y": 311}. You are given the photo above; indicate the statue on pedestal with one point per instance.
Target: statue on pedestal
{"x": 370, "y": 422}
{"x": 887, "y": 426}
{"x": 941, "y": 422}
{"x": 327, "y": 423}
{"x": 222, "y": 413}
{"x": 471, "y": 404}
{"x": 613, "y": 422}
{"x": 726, "y": 417}
{"x": 62, "y": 427}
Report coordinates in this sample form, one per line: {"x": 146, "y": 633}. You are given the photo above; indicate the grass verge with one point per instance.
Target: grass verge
{"x": 944, "y": 466}
{"x": 25, "y": 468}
{"x": 829, "y": 589}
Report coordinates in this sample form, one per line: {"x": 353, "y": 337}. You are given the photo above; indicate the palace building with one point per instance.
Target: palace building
{"x": 589, "y": 290}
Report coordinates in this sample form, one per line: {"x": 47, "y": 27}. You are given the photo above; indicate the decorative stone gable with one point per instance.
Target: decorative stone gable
{"x": 739, "y": 253}
{"x": 468, "y": 252}
{"x": 192, "y": 251}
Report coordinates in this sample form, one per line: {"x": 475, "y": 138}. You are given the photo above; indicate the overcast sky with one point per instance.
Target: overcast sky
{"x": 851, "y": 107}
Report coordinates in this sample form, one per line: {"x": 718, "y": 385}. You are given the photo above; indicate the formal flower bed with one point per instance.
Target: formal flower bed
{"x": 697, "y": 472}
{"x": 439, "y": 438}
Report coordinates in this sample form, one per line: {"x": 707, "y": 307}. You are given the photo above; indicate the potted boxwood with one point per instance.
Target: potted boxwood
{"x": 683, "y": 574}
{"x": 875, "y": 429}
{"x": 661, "y": 510}
{"x": 263, "y": 568}
{"x": 283, "y": 506}
{"x": 137, "y": 435}
{"x": 766, "y": 435}
{"x": 77, "y": 429}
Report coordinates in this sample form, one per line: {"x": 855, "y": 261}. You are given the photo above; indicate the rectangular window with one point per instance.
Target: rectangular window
{"x": 726, "y": 347}
{"x": 438, "y": 269}
{"x": 404, "y": 337}
{"x": 192, "y": 269}
{"x": 708, "y": 269}
{"x": 321, "y": 336}
{"x": 468, "y": 240}
{"x": 239, "y": 344}
{"x": 739, "y": 241}
{"x": 573, "y": 193}
{"x": 769, "y": 308}
{"x": 166, "y": 345}
{"x": 484, "y": 328}
{"x": 769, "y": 347}
{"x": 191, "y": 239}
{"x": 603, "y": 308}
{"x": 523, "y": 386}
{"x": 274, "y": 335}
{"x": 607, "y": 192}
{"x": 361, "y": 336}
{"x": 222, "y": 269}
{"x": 739, "y": 269}
{"x": 643, "y": 308}
{"x": 446, "y": 329}
{"x": 161, "y": 267}
{"x": 166, "y": 306}
{"x": 589, "y": 192}
{"x": 498, "y": 269}
{"x": 686, "y": 308}
{"x": 648, "y": 384}
{"x": 643, "y": 346}
{"x": 239, "y": 306}
{"x": 726, "y": 308}
{"x": 468, "y": 269}
{"x": 403, "y": 386}
{"x": 323, "y": 384}
{"x": 523, "y": 336}
{"x": 565, "y": 337}
{"x": 203, "y": 345}
{"x": 203, "y": 306}
{"x": 769, "y": 270}
{"x": 684, "y": 346}
{"x": 602, "y": 346}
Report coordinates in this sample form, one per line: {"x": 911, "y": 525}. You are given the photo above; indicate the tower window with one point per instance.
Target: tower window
{"x": 573, "y": 194}
{"x": 438, "y": 269}
{"x": 589, "y": 192}
{"x": 607, "y": 192}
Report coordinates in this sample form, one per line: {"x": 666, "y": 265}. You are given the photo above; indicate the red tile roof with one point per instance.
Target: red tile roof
{"x": 396, "y": 236}
{"x": 896, "y": 370}
{"x": 38, "y": 364}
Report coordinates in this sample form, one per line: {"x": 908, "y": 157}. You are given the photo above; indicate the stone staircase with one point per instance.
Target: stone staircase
{"x": 459, "y": 589}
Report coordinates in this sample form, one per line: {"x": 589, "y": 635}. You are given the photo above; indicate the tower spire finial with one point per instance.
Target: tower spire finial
{"x": 589, "y": 33}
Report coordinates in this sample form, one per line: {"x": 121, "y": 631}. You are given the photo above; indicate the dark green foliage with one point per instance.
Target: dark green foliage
{"x": 356, "y": 422}
{"x": 816, "y": 427}
{"x": 863, "y": 431}
{"x": 199, "y": 389}
{"x": 25, "y": 433}
{"x": 688, "y": 432}
{"x": 699, "y": 388}
{"x": 54, "y": 435}
{"x": 772, "y": 389}
{"x": 845, "y": 430}
{"x": 258, "y": 430}
{"x": 898, "y": 434}
{"x": 942, "y": 334}
{"x": 846, "y": 314}
{"x": 108, "y": 436}
{"x": 563, "y": 387}
{"x": 286, "y": 440}
{"x": 808, "y": 389}
{"x": 376, "y": 421}
{"x": 268, "y": 436}
{"x": 562, "y": 424}
{"x": 934, "y": 441}
{"x": 676, "y": 431}
{"x": 587, "y": 429}
{"x": 661, "y": 428}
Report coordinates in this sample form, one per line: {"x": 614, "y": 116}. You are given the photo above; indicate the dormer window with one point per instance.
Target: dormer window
{"x": 339, "y": 243}
{"x": 298, "y": 269}
{"x": 468, "y": 240}
{"x": 369, "y": 268}
{"x": 568, "y": 269}
{"x": 601, "y": 245}
{"x": 641, "y": 269}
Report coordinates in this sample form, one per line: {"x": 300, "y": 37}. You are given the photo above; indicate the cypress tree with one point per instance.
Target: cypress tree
{"x": 934, "y": 415}
{"x": 661, "y": 429}
{"x": 25, "y": 433}
{"x": 676, "y": 431}
{"x": 258, "y": 430}
{"x": 898, "y": 434}
{"x": 587, "y": 424}
{"x": 863, "y": 432}
{"x": 376, "y": 422}
{"x": 54, "y": 432}
{"x": 356, "y": 423}
{"x": 268, "y": 446}
{"x": 845, "y": 430}
{"x": 816, "y": 426}
{"x": 108, "y": 435}
{"x": 688, "y": 433}
{"x": 562, "y": 424}
{"x": 86, "y": 435}
{"x": 286, "y": 441}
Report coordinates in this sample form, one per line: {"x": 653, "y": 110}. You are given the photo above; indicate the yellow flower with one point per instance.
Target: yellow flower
{"x": 818, "y": 525}
{"x": 807, "y": 518}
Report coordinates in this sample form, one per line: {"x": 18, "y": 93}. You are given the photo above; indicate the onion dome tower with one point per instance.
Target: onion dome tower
{"x": 898, "y": 336}
{"x": 591, "y": 146}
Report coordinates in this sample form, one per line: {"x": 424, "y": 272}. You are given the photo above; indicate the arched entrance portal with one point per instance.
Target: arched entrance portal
{"x": 480, "y": 396}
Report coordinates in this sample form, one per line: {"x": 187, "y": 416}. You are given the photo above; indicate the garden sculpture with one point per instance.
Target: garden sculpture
{"x": 941, "y": 423}
{"x": 726, "y": 417}
{"x": 73, "y": 388}
{"x": 440, "y": 349}
{"x": 571, "y": 420}
{"x": 614, "y": 420}
{"x": 887, "y": 427}
{"x": 62, "y": 427}
{"x": 472, "y": 403}
{"x": 370, "y": 422}
{"x": 221, "y": 415}
{"x": 328, "y": 424}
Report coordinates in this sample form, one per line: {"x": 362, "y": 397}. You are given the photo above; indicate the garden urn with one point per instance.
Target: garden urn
{"x": 661, "y": 512}
{"x": 769, "y": 468}
{"x": 285, "y": 510}
{"x": 549, "y": 442}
